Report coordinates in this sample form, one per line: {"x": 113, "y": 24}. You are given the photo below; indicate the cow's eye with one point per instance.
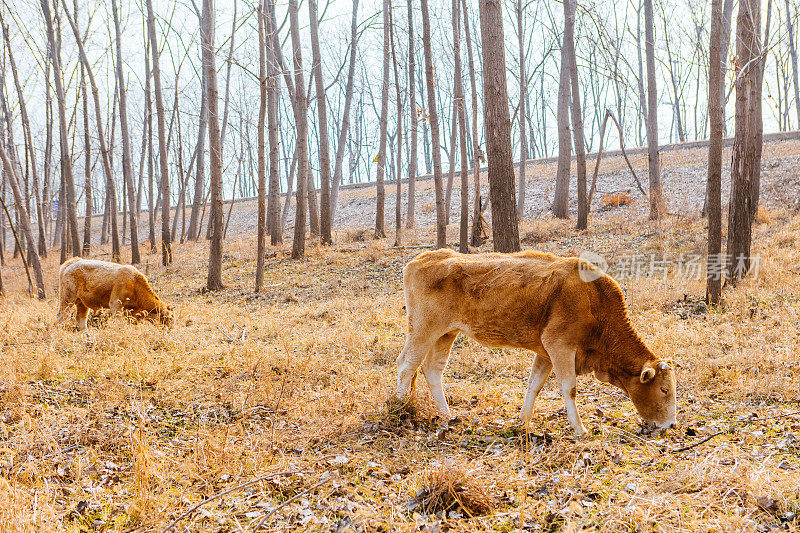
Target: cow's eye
{"x": 664, "y": 390}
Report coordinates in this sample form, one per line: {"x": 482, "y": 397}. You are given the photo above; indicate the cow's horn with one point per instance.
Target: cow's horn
{"x": 663, "y": 365}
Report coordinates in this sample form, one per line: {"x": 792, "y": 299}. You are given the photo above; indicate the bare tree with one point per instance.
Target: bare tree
{"x": 322, "y": 115}
{"x": 561, "y": 195}
{"x": 380, "y": 231}
{"x": 653, "y": 164}
{"x": 71, "y": 219}
{"x": 793, "y": 55}
{"x": 127, "y": 168}
{"x": 477, "y": 155}
{"x": 348, "y": 98}
{"x": 412, "y": 105}
{"x": 166, "y": 244}
{"x": 214, "y": 280}
{"x": 105, "y": 152}
{"x": 274, "y": 204}
{"x": 87, "y": 170}
{"x": 577, "y": 112}
{"x": 747, "y": 139}
{"x": 441, "y": 224}
{"x": 463, "y": 242}
{"x": 523, "y": 92}
{"x": 398, "y": 197}
{"x": 11, "y": 176}
{"x": 26, "y": 125}
{"x": 498, "y": 129}
{"x": 714, "y": 270}
{"x": 301, "y": 125}
{"x": 261, "y": 246}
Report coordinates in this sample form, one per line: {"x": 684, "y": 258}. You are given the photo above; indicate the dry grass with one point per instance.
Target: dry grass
{"x": 129, "y": 425}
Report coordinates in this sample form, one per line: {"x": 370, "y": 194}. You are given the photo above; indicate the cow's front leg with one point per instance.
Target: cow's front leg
{"x": 540, "y": 371}
{"x": 433, "y": 368}
{"x": 563, "y": 359}
{"x": 81, "y": 315}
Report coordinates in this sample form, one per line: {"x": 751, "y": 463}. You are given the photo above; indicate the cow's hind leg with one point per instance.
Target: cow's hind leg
{"x": 433, "y": 368}
{"x": 414, "y": 353}
{"x": 81, "y": 315}
{"x": 540, "y": 371}
{"x": 65, "y": 298}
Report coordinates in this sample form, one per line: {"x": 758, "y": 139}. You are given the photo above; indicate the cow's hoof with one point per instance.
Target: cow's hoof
{"x": 581, "y": 434}
{"x": 441, "y": 433}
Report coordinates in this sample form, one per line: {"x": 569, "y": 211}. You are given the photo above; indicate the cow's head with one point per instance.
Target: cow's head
{"x": 653, "y": 394}
{"x": 165, "y": 315}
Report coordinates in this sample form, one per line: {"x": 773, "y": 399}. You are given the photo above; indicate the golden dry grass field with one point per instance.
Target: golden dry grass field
{"x": 277, "y": 407}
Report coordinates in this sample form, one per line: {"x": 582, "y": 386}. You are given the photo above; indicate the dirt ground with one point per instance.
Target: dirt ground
{"x": 275, "y": 409}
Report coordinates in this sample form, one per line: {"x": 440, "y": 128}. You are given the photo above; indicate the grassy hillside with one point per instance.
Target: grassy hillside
{"x": 284, "y": 399}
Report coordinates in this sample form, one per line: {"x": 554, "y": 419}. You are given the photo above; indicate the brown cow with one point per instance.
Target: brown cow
{"x": 571, "y": 315}
{"x": 91, "y": 284}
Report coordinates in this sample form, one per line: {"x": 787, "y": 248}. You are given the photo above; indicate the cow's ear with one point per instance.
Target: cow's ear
{"x": 648, "y": 373}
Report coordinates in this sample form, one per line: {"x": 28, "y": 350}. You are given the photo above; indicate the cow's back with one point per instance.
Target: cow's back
{"x": 499, "y": 299}
{"x": 93, "y": 282}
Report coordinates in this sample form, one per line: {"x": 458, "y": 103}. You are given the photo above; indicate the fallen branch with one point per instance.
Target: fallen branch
{"x": 718, "y": 433}
{"x": 223, "y": 493}
{"x": 290, "y": 500}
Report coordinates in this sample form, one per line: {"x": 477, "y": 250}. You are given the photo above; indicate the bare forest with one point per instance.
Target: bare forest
{"x": 271, "y": 166}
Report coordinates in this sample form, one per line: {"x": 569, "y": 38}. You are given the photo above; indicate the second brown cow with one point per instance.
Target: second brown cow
{"x": 91, "y": 284}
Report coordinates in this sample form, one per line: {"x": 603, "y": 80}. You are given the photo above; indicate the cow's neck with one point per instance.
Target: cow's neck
{"x": 620, "y": 352}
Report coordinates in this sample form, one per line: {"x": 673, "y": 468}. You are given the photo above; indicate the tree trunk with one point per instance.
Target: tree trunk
{"x": 463, "y": 241}
{"x": 727, "y": 15}
{"x": 398, "y": 197}
{"x": 793, "y": 55}
{"x": 640, "y": 77}
{"x": 166, "y": 238}
{"x": 214, "y": 280}
{"x": 261, "y": 246}
{"x": 199, "y": 182}
{"x": 653, "y": 164}
{"x": 561, "y": 194}
{"x": 441, "y": 224}
{"x": 41, "y": 201}
{"x": 127, "y": 164}
{"x": 87, "y": 170}
{"x": 451, "y": 169}
{"x": 301, "y": 125}
{"x": 477, "y": 154}
{"x": 348, "y": 98}
{"x": 71, "y": 219}
{"x": 11, "y": 177}
{"x": 746, "y": 154}
{"x": 275, "y": 223}
{"x": 498, "y": 129}
{"x": 412, "y": 94}
{"x": 380, "y": 225}
{"x": 104, "y": 149}
{"x": 577, "y": 113}
{"x": 757, "y": 125}
{"x": 322, "y": 114}
{"x": 714, "y": 269}
{"x": 523, "y": 92}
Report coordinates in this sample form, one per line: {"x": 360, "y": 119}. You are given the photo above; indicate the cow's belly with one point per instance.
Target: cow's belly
{"x": 95, "y": 300}
{"x": 499, "y": 337}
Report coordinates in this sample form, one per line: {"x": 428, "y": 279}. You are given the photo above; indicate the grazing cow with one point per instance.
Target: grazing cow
{"x": 572, "y": 316}
{"x": 91, "y": 284}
